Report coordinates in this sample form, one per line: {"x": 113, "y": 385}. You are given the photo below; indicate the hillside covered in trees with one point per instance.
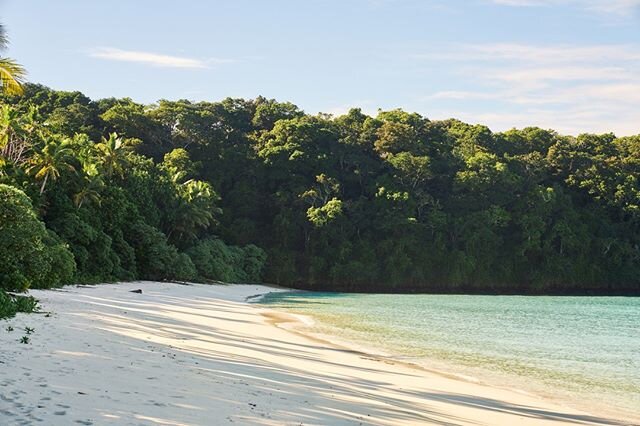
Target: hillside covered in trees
{"x": 257, "y": 190}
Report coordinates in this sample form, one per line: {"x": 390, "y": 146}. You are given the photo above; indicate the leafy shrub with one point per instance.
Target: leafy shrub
{"x": 61, "y": 261}
{"x": 91, "y": 247}
{"x": 253, "y": 263}
{"x": 127, "y": 269}
{"x": 10, "y": 305}
{"x": 26, "y": 304}
{"x": 214, "y": 260}
{"x": 28, "y": 253}
{"x": 156, "y": 258}
{"x": 183, "y": 268}
{"x": 153, "y": 254}
{"x": 7, "y": 305}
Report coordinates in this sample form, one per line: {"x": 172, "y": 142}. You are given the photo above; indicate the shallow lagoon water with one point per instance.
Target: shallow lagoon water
{"x": 584, "y": 349}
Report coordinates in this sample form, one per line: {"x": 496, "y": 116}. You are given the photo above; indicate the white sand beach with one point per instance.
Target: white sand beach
{"x": 200, "y": 355}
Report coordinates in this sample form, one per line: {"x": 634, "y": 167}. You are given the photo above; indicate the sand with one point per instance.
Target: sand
{"x": 200, "y": 355}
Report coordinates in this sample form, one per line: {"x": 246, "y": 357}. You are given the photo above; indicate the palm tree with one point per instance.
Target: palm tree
{"x": 112, "y": 155}
{"x": 16, "y": 134}
{"x": 11, "y": 73}
{"x": 194, "y": 209}
{"x": 48, "y": 163}
{"x": 201, "y": 197}
{"x": 91, "y": 186}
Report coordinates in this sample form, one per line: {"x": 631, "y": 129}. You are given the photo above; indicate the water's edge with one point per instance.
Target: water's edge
{"x": 320, "y": 325}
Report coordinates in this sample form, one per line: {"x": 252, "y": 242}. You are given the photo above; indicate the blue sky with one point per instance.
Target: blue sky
{"x": 570, "y": 65}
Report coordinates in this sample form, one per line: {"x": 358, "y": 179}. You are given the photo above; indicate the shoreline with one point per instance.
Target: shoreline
{"x": 296, "y": 323}
{"x": 177, "y": 355}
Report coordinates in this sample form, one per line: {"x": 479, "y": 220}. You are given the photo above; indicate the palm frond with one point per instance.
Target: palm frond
{"x": 4, "y": 40}
{"x": 12, "y": 76}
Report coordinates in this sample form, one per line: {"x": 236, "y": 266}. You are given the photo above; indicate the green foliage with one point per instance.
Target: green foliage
{"x": 254, "y": 259}
{"x": 11, "y": 73}
{"x": 51, "y": 161}
{"x": 62, "y": 264}
{"x": 394, "y": 202}
{"x": 112, "y": 155}
{"x": 179, "y": 165}
{"x": 10, "y": 305}
{"x": 183, "y": 268}
{"x": 92, "y": 248}
{"x": 29, "y": 255}
{"x": 214, "y": 260}
{"x": 193, "y": 210}
{"x": 7, "y": 307}
{"x": 320, "y": 216}
{"x": 155, "y": 257}
{"x": 26, "y": 304}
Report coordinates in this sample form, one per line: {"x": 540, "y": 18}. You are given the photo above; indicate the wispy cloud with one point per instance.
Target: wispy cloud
{"x": 620, "y": 7}
{"x": 518, "y": 3}
{"x": 571, "y": 121}
{"x": 555, "y": 53}
{"x": 463, "y": 95}
{"x": 153, "y": 59}
{"x": 585, "y": 88}
{"x": 533, "y": 53}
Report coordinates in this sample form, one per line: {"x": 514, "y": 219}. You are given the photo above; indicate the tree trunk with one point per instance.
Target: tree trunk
{"x": 44, "y": 183}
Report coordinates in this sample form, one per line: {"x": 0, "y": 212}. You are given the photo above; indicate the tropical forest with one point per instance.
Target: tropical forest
{"x": 256, "y": 190}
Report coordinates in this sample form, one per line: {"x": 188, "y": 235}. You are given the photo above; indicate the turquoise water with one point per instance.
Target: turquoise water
{"x": 584, "y": 349}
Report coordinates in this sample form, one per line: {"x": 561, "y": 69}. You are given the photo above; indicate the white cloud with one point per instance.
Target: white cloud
{"x": 153, "y": 59}
{"x": 619, "y": 7}
{"x": 571, "y": 88}
{"x": 463, "y": 95}
{"x": 518, "y": 3}
{"x": 568, "y": 73}
{"x": 573, "y": 120}
{"x": 552, "y": 54}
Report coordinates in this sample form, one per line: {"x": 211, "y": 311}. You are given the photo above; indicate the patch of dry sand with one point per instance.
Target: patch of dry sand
{"x": 200, "y": 355}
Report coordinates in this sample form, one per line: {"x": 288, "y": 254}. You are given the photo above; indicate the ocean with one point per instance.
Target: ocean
{"x": 582, "y": 350}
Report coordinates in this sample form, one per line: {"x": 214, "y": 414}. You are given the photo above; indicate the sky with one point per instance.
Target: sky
{"x": 568, "y": 65}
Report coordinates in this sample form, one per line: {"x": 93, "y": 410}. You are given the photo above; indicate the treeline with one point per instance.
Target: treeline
{"x": 396, "y": 202}
{"x": 78, "y": 203}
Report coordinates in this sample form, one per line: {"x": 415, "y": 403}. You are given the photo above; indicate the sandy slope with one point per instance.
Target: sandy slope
{"x": 199, "y": 355}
